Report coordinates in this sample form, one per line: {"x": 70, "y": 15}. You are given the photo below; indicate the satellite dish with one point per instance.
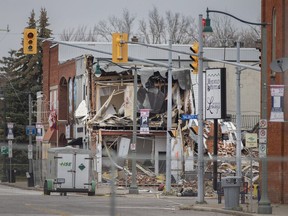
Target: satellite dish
{"x": 279, "y": 65}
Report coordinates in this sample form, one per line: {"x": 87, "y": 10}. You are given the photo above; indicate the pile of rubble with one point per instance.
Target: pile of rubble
{"x": 226, "y": 165}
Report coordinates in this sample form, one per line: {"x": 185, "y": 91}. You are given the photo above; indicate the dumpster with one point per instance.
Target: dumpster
{"x": 30, "y": 179}
{"x": 231, "y": 186}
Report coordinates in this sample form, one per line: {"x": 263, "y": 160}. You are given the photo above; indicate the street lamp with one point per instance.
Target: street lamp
{"x": 208, "y": 29}
{"x": 264, "y": 206}
{"x": 200, "y": 196}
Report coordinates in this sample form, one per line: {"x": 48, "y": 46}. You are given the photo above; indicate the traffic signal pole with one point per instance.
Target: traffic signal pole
{"x": 169, "y": 121}
{"x": 149, "y": 61}
{"x": 30, "y": 135}
{"x": 200, "y": 194}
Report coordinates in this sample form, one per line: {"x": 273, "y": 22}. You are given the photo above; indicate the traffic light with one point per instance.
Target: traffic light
{"x": 194, "y": 65}
{"x": 119, "y": 47}
{"x": 30, "y": 41}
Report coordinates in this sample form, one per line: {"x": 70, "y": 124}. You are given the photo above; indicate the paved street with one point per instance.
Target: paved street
{"x": 19, "y": 199}
{"x": 16, "y": 201}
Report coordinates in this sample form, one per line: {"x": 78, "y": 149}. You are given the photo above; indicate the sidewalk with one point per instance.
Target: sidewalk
{"x": 211, "y": 206}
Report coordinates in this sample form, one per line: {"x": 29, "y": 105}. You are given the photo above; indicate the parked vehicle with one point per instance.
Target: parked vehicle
{"x": 69, "y": 170}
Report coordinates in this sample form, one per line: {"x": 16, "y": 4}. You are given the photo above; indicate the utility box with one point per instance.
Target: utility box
{"x": 231, "y": 186}
{"x": 69, "y": 170}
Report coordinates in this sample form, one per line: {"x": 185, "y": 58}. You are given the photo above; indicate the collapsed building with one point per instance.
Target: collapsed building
{"x": 88, "y": 102}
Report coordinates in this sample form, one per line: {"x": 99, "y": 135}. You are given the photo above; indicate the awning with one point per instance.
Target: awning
{"x": 78, "y": 141}
{"x": 50, "y": 136}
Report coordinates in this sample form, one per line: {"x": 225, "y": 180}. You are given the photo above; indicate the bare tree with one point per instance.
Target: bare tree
{"x": 103, "y": 30}
{"x": 250, "y": 36}
{"x": 67, "y": 35}
{"x": 144, "y": 31}
{"x": 180, "y": 28}
{"x": 80, "y": 34}
{"x": 157, "y": 26}
{"x": 158, "y": 29}
{"x": 225, "y": 34}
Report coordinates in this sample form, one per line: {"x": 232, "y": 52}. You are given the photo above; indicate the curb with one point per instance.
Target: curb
{"x": 222, "y": 211}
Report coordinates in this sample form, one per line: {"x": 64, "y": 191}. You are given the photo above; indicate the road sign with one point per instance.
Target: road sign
{"x": 263, "y": 123}
{"x": 30, "y": 130}
{"x": 251, "y": 140}
{"x": 10, "y": 134}
{"x": 10, "y": 125}
{"x": 262, "y": 150}
{"x": 30, "y": 151}
{"x": 262, "y": 135}
{"x": 10, "y": 148}
{"x": 188, "y": 116}
{"x": 133, "y": 146}
{"x": 4, "y": 150}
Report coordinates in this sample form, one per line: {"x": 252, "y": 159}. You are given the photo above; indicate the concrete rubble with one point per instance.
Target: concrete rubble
{"x": 225, "y": 161}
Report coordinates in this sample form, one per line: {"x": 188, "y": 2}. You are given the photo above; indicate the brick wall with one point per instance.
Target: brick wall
{"x": 55, "y": 74}
{"x": 277, "y": 132}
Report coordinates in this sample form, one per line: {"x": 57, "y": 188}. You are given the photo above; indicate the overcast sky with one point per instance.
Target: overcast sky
{"x": 69, "y": 14}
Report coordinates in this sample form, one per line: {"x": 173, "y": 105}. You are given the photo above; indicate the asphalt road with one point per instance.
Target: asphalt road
{"x": 15, "y": 201}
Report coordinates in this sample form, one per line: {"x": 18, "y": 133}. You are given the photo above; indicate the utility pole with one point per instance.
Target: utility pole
{"x": 200, "y": 118}
{"x": 264, "y": 206}
{"x": 238, "y": 115}
{"x": 133, "y": 187}
{"x": 169, "y": 121}
{"x": 30, "y": 148}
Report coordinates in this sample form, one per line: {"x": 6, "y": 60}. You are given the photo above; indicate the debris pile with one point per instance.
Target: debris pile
{"x": 226, "y": 165}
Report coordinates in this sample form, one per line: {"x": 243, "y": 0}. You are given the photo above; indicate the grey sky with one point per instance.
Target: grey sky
{"x": 67, "y": 14}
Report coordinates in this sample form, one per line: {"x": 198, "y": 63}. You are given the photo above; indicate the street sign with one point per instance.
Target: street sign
{"x": 39, "y": 132}
{"x": 10, "y": 134}
{"x": 10, "y": 125}
{"x": 30, "y": 130}
{"x": 262, "y": 135}
{"x": 30, "y": 151}
{"x": 10, "y": 148}
{"x": 133, "y": 146}
{"x": 263, "y": 123}
{"x": 188, "y": 116}
{"x": 262, "y": 150}
{"x": 251, "y": 140}
{"x": 4, "y": 150}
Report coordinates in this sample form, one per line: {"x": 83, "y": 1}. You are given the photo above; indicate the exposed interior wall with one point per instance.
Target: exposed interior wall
{"x": 160, "y": 147}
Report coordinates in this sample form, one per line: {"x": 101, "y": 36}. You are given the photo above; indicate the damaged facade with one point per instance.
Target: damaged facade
{"x": 96, "y": 111}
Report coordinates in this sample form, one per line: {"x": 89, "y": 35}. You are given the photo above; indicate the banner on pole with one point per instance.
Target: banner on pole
{"x": 277, "y": 100}
{"x": 144, "y": 121}
{"x": 215, "y": 94}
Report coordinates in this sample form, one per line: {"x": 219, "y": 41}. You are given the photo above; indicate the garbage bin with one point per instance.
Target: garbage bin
{"x": 30, "y": 179}
{"x": 231, "y": 186}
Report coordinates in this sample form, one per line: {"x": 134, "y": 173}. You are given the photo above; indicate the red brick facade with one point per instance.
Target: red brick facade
{"x": 275, "y": 13}
{"x": 56, "y": 75}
